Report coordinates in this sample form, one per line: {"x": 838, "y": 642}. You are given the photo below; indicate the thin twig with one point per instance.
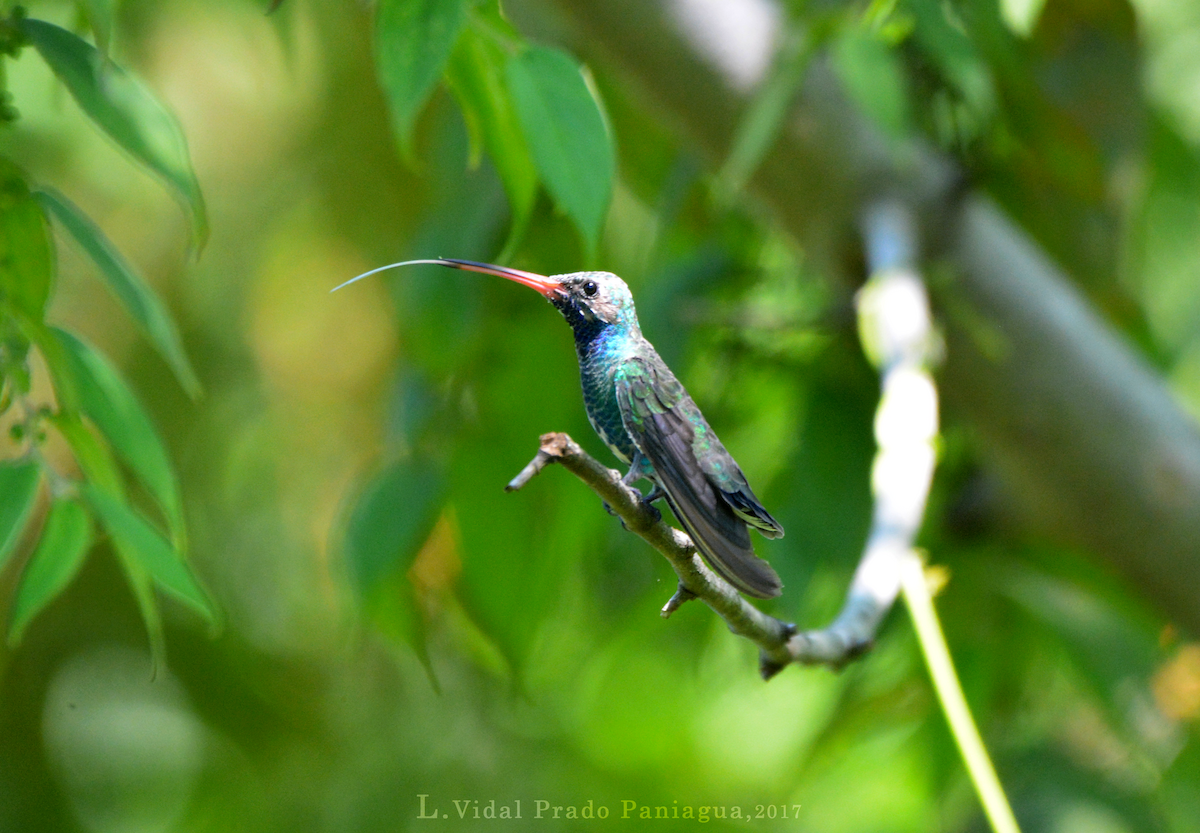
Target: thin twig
{"x": 676, "y": 601}
{"x": 539, "y": 462}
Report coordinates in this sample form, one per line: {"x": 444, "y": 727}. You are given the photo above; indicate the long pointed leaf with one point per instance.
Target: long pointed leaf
{"x": 413, "y": 41}
{"x": 125, "y": 109}
{"x": 874, "y": 79}
{"x": 59, "y": 554}
{"x": 109, "y": 403}
{"x": 26, "y": 254}
{"x": 151, "y": 550}
{"x": 567, "y": 135}
{"x": 130, "y": 288}
{"x": 100, "y": 15}
{"x": 100, "y": 469}
{"x": 476, "y": 76}
{"x": 391, "y": 521}
{"x": 18, "y": 490}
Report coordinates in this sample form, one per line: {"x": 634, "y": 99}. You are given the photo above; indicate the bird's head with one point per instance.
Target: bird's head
{"x": 590, "y": 299}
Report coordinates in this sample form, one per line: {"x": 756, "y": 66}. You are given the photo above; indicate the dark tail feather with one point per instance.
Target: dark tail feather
{"x": 730, "y": 555}
{"x": 666, "y": 438}
{"x": 747, "y": 507}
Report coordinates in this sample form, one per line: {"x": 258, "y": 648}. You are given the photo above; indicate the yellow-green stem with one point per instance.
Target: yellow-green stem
{"x": 949, "y": 692}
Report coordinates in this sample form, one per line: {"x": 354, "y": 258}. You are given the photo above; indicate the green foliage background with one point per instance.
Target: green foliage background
{"x": 388, "y": 622}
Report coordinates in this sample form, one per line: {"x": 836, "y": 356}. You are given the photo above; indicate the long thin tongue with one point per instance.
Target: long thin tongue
{"x": 541, "y": 283}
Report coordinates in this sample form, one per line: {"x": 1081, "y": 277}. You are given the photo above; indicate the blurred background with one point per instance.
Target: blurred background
{"x": 519, "y": 654}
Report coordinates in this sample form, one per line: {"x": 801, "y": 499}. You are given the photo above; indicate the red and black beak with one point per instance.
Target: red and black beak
{"x": 546, "y": 286}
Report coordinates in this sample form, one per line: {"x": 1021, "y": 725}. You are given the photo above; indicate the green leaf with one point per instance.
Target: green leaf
{"x": 1021, "y": 15}
{"x": 125, "y": 109}
{"x": 567, "y": 135}
{"x": 18, "y": 490}
{"x": 390, "y": 522}
{"x": 94, "y": 457}
{"x": 393, "y": 518}
{"x": 56, "y": 362}
{"x": 130, "y": 288}
{"x": 151, "y": 551}
{"x": 100, "y": 14}
{"x": 758, "y": 129}
{"x": 100, "y": 469}
{"x": 26, "y": 253}
{"x": 476, "y": 76}
{"x": 413, "y": 41}
{"x": 64, "y": 542}
{"x": 107, "y": 401}
{"x": 873, "y": 78}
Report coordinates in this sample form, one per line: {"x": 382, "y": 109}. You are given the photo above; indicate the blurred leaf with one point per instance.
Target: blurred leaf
{"x": 15, "y": 373}
{"x": 108, "y": 402}
{"x": 518, "y": 548}
{"x": 442, "y": 313}
{"x": 567, "y": 135}
{"x": 64, "y": 542}
{"x": 392, "y": 607}
{"x": 413, "y": 41}
{"x": 125, "y": 109}
{"x": 389, "y": 526}
{"x": 100, "y": 469}
{"x": 100, "y": 14}
{"x": 56, "y": 362}
{"x": 152, "y": 551}
{"x": 502, "y": 554}
{"x": 391, "y": 520}
{"x": 825, "y": 500}
{"x": 874, "y": 78}
{"x": 759, "y": 127}
{"x": 26, "y": 254}
{"x": 954, "y": 54}
{"x": 1089, "y": 58}
{"x": 18, "y": 490}
{"x": 130, "y": 288}
{"x": 1112, "y": 646}
{"x": 94, "y": 458}
{"x": 1165, "y": 232}
{"x": 1021, "y": 15}
{"x": 141, "y": 582}
{"x": 476, "y": 75}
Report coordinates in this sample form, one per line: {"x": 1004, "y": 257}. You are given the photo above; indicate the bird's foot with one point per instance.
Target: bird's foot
{"x": 638, "y": 469}
{"x": 656, "y": 493}
{"x": 651, "y": 510}
{"x": 613, "y": 512}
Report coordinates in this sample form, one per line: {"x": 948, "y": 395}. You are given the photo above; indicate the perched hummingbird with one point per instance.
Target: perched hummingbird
{"x": 641, "y": 412}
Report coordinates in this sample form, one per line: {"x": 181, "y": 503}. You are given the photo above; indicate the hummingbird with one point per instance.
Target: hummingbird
{"x": 646, "y": 418}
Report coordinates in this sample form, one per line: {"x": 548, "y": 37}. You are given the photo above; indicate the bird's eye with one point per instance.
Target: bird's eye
{"x": 590, "y": 289}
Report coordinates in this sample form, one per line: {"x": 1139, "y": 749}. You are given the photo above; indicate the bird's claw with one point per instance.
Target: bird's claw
{"x": 652, "y": 510}
{"x": 654, "y": 494}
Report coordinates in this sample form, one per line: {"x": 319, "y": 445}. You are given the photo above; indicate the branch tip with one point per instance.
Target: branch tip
{"x": 539, "y": 462}
{"x": 676, "y": 601}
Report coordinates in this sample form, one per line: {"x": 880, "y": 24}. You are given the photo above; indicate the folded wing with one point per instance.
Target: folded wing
{"x": 706, "y": 489}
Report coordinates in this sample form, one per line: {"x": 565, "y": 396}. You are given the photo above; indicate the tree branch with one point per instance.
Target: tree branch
{"x": 779, "y": 642}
